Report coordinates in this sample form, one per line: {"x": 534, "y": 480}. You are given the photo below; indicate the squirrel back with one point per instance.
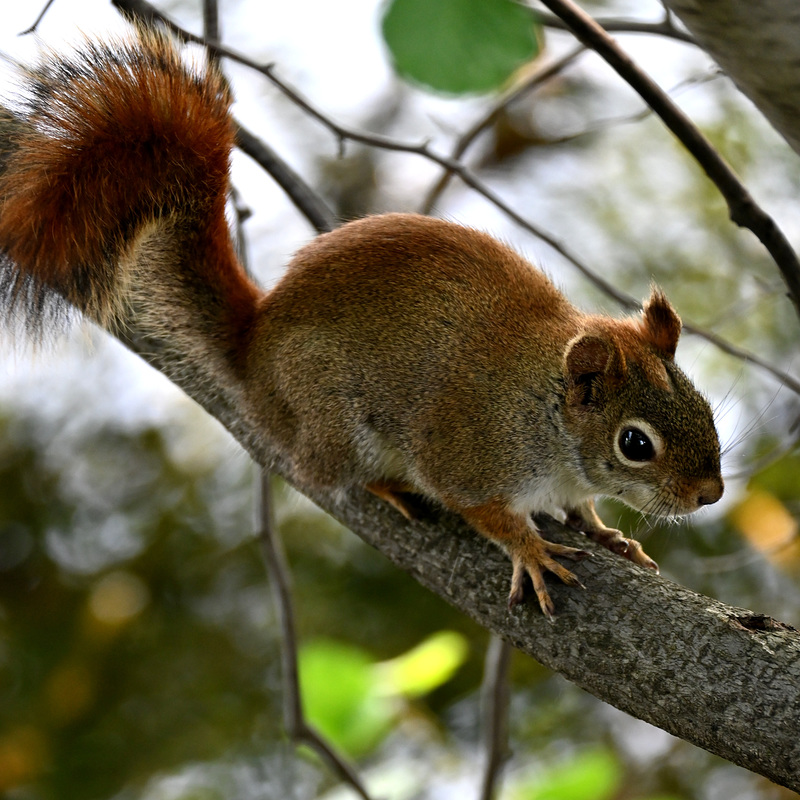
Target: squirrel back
{"x": 446, "y": 352}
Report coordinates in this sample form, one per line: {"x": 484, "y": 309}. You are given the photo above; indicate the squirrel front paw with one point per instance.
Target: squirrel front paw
{"x": 532, "y": 558}
{"x": 585, "y": 519}
{"x": 627, "y": 548}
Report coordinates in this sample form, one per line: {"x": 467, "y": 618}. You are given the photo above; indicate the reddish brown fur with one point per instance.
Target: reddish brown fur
{"x": 107, "y": 148}
{"x": 661, "y": 325}
{"x": 637, "y": 340}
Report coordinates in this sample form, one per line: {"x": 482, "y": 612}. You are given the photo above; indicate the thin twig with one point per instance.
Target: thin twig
{"x": 38, "y": 19}
{"x": 491, "y": 116}
{"x": 495, "y": 694}
{"x": 305, "y": 199}
{"x": 664, "y": 28}
{"x": 242, "y": 213}
{"x": 743, "y": 209}
{"x": 297, "y": 727}
{"x": 211, "y": 25}
{"x": 469, "y": 136}
{"x": 607, "y": 123}
{"x": 743, "y": 355}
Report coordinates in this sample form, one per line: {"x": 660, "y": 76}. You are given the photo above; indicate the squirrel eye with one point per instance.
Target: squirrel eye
{"x": 635, "y": 445}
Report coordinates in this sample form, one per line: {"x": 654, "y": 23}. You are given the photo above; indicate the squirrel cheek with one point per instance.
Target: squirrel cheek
{"x": 639, "y": 494}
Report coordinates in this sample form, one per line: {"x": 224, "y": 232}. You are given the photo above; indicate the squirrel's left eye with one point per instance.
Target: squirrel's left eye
{"x": 636, "y": 445}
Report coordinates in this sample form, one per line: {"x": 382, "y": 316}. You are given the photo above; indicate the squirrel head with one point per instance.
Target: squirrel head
{"x": 644, "y": 433}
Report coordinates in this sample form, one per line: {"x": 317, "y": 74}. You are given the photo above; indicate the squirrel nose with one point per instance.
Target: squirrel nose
{"x": 710, "y": 491}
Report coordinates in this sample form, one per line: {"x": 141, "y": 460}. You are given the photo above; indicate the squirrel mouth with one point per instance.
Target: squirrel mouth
{"x": 685, "y": 497}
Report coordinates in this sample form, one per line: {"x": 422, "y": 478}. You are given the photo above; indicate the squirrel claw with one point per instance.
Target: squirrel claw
{"x": 585, "y": 519}
{"x": 532, "y": 562}
{"x": 650, "y": 564}
{"x": 392, "y": 492}
{"x": 630, "y": 549}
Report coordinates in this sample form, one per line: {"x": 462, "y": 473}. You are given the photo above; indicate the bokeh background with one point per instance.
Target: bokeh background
{"x": 139, "y": 652}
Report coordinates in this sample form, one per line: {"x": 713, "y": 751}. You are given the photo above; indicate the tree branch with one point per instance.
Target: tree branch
{"x": 35, "y": 25}
{"x": 720, "y": 677}
{"x": 664, "y": 28}
{"x": 743, "y": 209}
{"x": 298, "y": 728}
{"x": 495, "y": 695}
{"x": 758, "y": 47}
{"x": 491, "y": 116}
{"x": 304, "y": 198}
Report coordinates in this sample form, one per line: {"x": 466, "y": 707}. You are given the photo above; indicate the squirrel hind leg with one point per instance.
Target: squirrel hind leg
{"x": 584, "y": 518}
{"x": 396, "y": 493}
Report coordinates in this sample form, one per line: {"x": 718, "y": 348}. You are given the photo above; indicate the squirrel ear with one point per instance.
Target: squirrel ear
{"x": 660, "y": 324}
{"x": 588, "y": 357}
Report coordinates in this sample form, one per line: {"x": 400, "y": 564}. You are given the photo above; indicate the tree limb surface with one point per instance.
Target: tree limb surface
{"x": 723, "y": 678}
{"x": 758, "y": 46}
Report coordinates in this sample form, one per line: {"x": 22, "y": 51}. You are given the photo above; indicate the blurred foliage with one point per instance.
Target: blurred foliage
{"x": 136, "y": 630}
{"x": 100, "y": 634}
{"x": 590, "y": 775}
{"x": 355, "y": 701}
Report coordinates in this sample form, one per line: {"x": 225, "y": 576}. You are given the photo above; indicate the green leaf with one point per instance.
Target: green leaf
{"x": 425, "y": 667}
{"x": 459, "y": 46}
{"x": 340, "y": 695}
{"x": 593, "y": 775}
{"x": 352, "y": 700}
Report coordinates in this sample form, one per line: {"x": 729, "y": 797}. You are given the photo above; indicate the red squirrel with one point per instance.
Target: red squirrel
{"x": 399, "y": 353}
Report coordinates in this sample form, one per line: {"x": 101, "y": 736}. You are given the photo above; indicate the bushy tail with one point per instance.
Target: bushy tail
{"x": 113, "y": 183}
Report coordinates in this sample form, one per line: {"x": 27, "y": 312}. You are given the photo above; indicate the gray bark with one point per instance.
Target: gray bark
{"x": 758, "y": 45}
{"x": 723, "y": 678}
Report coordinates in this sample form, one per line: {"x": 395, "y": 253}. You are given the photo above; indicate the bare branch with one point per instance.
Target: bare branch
{"x": 495, "y": 694}
{"x": 298, "y": 728}
{"x": 664, "y": 28}
{"x": 757, "y": 45}
{"x": 305, "y": 199}
{"x": 38, "y": 19}
{"x": 789, "y": 381}
{"x": 491, "y": 116}
{"x": 743, "y": 209}
{"x": 211, "y": 25}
